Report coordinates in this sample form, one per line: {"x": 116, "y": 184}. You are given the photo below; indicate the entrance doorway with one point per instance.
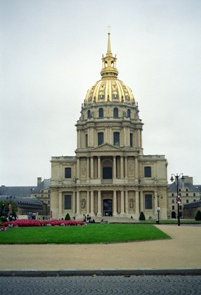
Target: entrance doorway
{"x": 173, "y": 215}
{"x": 107, "y": 207}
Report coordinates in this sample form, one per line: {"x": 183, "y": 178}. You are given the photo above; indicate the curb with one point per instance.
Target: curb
{"x": 104, "y": 272}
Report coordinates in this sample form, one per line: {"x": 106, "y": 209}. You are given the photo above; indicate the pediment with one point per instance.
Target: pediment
{"x": 106, "y": 148}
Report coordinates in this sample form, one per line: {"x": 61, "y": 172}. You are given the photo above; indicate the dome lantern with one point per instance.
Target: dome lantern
{"x": 109, "y": 70}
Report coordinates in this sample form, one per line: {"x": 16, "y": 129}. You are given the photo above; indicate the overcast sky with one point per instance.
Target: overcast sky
{"x": 50, "y": 54}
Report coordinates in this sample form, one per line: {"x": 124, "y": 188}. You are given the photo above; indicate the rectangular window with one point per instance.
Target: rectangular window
{"x": 67, "y": 202}
{"x": 116, "y": 139}
{"x": 131, "y": 139}
{"x": 107, "y": 172}
{"x": 86, "y": 140}
{"x": 147, "y": 171}
{"x": 100, "y": 138}
{"x": 67, "y": 172}
{"x": 148, "y": 201}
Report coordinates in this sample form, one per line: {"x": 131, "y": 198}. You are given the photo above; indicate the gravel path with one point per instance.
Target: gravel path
{"x": 182, "y": 251}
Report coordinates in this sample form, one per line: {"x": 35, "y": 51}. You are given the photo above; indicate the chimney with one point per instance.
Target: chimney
{"x": 39, "y": 180}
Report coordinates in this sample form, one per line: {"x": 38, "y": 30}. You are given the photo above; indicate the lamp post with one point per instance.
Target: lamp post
{"x": 176, "y": 177}
{"x": 158, "y": 209}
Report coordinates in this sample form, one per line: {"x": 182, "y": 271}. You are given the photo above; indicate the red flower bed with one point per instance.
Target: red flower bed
{"x": 33, "y": 222}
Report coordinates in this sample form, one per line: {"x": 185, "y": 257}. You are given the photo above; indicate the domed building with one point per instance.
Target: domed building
{"x": 109, "y": 177}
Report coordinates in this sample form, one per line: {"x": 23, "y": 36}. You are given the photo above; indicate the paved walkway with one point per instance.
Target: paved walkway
{"x": 182, "y": 251}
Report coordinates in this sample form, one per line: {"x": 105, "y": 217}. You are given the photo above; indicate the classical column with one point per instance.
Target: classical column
{"x": 92, "y": 167}
{"x": 87, "y": 202}
{"x": 156, "y": 205}
{"x": 126, "y": 192}
{"x": 122, "y": 167}
{"x": 87, "y": 168}
{"x": 78, "y": 168}
{"x": 138, "y": 137}
{"x": 78, "y": 138}
{"x": 137, "y": 204}
{"x": 136, "y": 168}
{"x": 122, "y": 203}
{"x": 141, "y": 201}
{"x": 92, "y": 203}
{"x": 78, "y": 203}
{"x": 114, "y": 203}
{"x": 126, "y": 167}
{"x": 99, "y": 214}
{"x": 114, "y": 167}
{"x": 99, "y": 168}
{"x": 60, "y": 204}
{"x": 125, "y": 141}
{"x": 73, "y": 202}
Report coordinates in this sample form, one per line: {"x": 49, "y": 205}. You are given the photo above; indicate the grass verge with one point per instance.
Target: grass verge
{"x": 91, "y": 233}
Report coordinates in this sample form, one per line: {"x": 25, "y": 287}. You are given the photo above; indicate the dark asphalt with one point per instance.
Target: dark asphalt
{"x": 94, "y": 285}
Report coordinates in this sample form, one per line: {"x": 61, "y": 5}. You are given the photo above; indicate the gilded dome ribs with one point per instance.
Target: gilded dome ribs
{"x": 109, "y": 88}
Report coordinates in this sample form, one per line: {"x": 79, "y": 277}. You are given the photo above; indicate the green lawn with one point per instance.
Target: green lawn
{"x": 91, "y": 233}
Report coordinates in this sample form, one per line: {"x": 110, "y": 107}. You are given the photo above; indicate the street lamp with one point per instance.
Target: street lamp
{"x": 158, "y": 209}
{"x": 176, "y": 177}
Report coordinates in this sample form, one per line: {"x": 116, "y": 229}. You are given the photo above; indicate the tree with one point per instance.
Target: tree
{"x": 142, "y": 217}
{"x": 67, "y": 216}
{"x": 198, "y": 215}
{"x": 4, "y": 209}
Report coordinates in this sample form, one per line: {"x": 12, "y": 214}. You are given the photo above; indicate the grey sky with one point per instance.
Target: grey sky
{"x": 50, "y": 54}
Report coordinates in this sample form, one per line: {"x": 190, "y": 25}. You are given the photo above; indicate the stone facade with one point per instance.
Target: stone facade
{"x": 188, "y": 192}
{"x": 109, "y": 175}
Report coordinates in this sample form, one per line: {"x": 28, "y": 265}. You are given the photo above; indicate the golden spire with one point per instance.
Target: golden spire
{"x": 109, "y": 52}
{"x": 109, "y": 63}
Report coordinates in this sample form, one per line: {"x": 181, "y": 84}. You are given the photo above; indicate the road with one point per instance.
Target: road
{"x": 95, "y": 285}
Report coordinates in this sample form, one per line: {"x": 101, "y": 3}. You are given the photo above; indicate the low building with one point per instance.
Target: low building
{"x": 29, "y": 199}
{"x": 190, "y": 210}
{"x": 42, "y": 193}
{"x": 188, "y": 192}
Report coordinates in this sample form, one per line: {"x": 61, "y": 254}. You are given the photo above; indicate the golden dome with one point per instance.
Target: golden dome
{"x": 109, "y": 88}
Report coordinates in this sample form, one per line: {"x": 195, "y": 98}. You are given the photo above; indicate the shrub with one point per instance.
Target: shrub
{"x": 198, "y": 215}
{"x": 142, "y": 217}
{"x": 67, "y": 216}
{"x": 4, "y": 208}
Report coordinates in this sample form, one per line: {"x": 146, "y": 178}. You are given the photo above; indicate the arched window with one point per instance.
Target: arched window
{"x": 128, "y": 113}
{"x": 116, "y": 113}
{"x": 100, "y": 113}
{"x": 88, "y": 114}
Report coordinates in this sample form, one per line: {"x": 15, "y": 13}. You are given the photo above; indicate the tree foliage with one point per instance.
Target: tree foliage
{"x": 4, "y": 208}
{"x": 67, "y": 216}
{"x": 198, "y": 215}
{"x": 142, "y": 217}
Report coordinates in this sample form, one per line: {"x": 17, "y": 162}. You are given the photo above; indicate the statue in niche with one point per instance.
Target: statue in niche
{"x": 131, "y": 203}
{"x": 83, "y": 169}
{"x": 130, "y": 167}
{"x": 83, "y": 204}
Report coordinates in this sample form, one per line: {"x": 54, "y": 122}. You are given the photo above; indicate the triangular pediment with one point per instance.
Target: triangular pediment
{"x": 105, "y": 147}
